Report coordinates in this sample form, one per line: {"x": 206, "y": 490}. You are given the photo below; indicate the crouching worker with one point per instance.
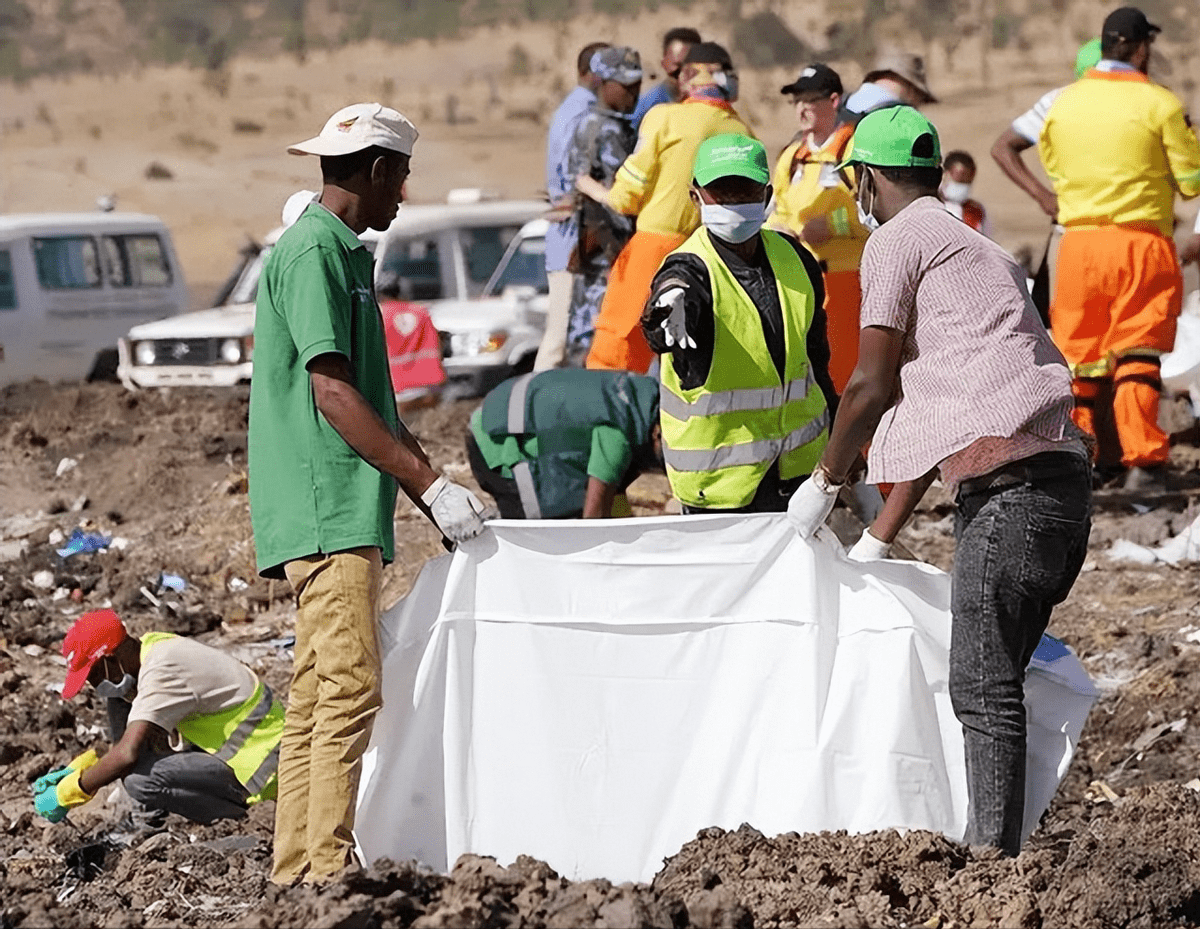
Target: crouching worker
{"x": 736, "y": 313}
{"x": 565, "y": 443}
{"x": 196, "y": 732}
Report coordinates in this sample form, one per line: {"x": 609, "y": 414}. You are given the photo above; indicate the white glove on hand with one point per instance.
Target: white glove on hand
{"x": 869, "y": 548}
{"x": 674, "y": 327}
{"x": 457, "y": 511}
{"x": 811, "y": 503}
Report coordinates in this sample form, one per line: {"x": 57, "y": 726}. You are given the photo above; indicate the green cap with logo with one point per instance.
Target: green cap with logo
{"x": 888, "y": 138}
{"x": 731, "y": 155}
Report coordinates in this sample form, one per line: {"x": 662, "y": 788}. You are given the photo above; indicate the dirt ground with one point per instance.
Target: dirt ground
{"x": 166, "y": 473}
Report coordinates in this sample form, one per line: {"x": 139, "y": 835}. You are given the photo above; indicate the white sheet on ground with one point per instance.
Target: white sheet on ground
{"x": 594, "y": 693}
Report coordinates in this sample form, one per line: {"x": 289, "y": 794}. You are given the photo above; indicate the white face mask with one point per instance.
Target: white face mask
{"x": 734, "y": 223}
{"x": 728, "y": 81}
{"x": 110, "y": 691}
{"x": 956, "y": 192}
{"x": 869, "y": 222}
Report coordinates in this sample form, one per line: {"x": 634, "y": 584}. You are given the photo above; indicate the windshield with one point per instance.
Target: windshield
{"x": 523, "y": 266}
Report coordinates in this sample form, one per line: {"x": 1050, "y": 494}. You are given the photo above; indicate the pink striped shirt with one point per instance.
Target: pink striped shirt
{"x": 976, "y": 361}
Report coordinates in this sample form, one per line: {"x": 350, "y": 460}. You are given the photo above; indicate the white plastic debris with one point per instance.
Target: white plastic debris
{"x": 236, "y": 584}
{"x": 1181, "y": 549}
{"x": 65, "y": 465}
{"x": 43, "y": 580}
{"x": 118, "y": 544}
{"x": 60, "y": 593}
{"x": 57, "y": 537}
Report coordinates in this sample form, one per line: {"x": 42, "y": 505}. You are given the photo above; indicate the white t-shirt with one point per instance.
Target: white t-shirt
{"x": 181, "y": 676}
{"x": 1029, "y": 125}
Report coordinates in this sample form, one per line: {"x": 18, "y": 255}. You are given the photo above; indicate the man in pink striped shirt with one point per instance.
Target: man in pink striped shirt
{"x": 958, "y": 378}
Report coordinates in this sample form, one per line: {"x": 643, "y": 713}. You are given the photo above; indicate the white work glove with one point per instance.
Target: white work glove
{"x": 457, "y": 511}
{"x": 674, "y": 327}
{"x": 811, "y": 503}
{"x": 869, "y": 548}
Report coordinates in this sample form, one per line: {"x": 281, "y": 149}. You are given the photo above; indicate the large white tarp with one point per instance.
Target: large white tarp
{"x": 594, "y": 693}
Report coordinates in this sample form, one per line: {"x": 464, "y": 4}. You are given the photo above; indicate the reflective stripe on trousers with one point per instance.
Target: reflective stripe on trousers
{"x": 745, "y": 453}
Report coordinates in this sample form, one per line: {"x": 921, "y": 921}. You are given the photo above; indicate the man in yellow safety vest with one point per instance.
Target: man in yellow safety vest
{"x": 736, "y": 312}
{"x": 195, "y": 731}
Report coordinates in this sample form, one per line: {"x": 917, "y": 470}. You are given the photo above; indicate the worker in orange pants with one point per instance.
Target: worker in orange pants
{"x": 619, "y": 344}
{"x": 1120, "y": 291}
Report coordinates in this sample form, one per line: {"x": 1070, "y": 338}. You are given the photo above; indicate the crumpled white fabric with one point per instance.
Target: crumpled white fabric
{"x": 593, "y": 693}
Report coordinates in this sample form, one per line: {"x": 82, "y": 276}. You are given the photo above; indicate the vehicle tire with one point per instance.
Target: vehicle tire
{"x": 104, "y": 368}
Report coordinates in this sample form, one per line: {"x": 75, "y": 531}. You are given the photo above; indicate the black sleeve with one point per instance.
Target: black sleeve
{"x": 818, "y": 336}
{"x": 689, "y": 273}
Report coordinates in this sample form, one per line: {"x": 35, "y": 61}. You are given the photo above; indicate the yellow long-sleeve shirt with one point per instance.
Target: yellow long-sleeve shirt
{"x": 807, "y": 186}
{"x": 653, "y": 182}
{"x": 1117, "y": 149}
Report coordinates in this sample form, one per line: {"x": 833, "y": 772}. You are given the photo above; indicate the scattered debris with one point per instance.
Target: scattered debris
{"x": 43, "y": 580}
{"x": 65, "y": 465}
{"x": 81, "y": 542}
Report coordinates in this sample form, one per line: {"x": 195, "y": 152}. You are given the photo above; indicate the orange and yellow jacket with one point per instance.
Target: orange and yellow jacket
{"x": 1117, "y": 149}
{"x": 654, "y": 181}
{"x": 808, "y": 185}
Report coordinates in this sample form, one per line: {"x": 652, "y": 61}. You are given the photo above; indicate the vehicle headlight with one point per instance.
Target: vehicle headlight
{"x": 477, "y": 343}
{"x": 231, "y": 351}
{"x": 144, "y": 354}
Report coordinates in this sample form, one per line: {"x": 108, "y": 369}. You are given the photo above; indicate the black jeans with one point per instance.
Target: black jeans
{"x": 196, "y": 785}
{"x": 1020, "y": 548}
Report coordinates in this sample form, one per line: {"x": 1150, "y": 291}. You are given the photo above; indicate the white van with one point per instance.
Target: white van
{"x": 71, "y": 284}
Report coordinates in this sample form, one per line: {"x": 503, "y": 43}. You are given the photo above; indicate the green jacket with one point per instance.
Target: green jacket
{"x": 554, "y": 429}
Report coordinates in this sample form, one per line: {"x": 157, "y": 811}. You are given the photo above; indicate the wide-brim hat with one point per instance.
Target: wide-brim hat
{"x": 906, "y": 66}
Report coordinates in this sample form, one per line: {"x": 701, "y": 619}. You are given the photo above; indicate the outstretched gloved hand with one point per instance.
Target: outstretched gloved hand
{"x": 674, "y": 327}
{"x": 811, "y": 503}
{"x": 869, "y": 548}
{"x": 457, "y": 511}
{"x": 48, "y": 780}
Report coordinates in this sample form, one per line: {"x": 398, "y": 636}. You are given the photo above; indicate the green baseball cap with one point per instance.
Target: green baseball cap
{"x": 887, "y": 138}
{"x": 1089, "y": 56}
{"x": 731, "y": 155}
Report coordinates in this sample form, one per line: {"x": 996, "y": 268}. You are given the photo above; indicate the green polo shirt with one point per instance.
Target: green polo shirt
{"x": 310, "y": 492}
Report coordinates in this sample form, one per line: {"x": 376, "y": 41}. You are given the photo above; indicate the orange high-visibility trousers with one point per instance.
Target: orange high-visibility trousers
{"x": 619, "y": 344}
{"x": 1118, "y": 293}
{"x": 843, "y": 295}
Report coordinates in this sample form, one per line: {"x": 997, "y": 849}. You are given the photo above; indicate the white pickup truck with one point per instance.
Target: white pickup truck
{"x": 478, "y": 267}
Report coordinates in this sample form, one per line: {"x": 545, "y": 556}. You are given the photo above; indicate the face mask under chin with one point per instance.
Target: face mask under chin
{"x": 868, "y": 221}
{"x": 110, "y": 691}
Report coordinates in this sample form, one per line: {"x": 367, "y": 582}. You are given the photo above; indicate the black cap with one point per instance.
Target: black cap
{"x": 708, "y": 53}
{"x": 815, "y": 79}
{"x": 1129, "y": 23}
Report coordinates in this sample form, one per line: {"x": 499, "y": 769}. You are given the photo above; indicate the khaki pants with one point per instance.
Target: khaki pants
{"x": 334, "y": 697}
{"x": 558, "y": 310}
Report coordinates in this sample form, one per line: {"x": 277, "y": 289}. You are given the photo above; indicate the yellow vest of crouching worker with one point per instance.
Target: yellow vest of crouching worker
{"x": 245, "y": 737}
{"x": 720, "y": 438}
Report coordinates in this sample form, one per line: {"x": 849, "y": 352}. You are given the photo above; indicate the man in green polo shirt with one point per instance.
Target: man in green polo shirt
{"x": 565, "y": 443}
{"x": 327, "y": 451}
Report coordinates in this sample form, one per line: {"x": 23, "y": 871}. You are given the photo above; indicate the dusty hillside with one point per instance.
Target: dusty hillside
{"x": 481, "y": 102}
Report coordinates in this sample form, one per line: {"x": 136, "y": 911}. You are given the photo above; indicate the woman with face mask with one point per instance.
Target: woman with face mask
{"x": 736, "y": 314}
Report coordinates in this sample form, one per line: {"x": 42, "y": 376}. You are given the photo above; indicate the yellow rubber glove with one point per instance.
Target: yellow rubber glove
{"x": 82, "y": 762}
{"x": 70, "y": 793}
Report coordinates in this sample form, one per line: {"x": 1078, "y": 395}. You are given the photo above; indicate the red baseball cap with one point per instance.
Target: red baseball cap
{"x": 93, "y": 636}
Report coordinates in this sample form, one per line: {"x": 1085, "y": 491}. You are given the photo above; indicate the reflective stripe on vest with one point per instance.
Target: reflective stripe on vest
{"x": 522, "y": 471}
{"x": 245, "y": 737}
{"x": 719, "y": 439}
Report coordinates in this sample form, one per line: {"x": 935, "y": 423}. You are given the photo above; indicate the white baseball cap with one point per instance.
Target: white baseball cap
{"x": 359, "y": 126}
